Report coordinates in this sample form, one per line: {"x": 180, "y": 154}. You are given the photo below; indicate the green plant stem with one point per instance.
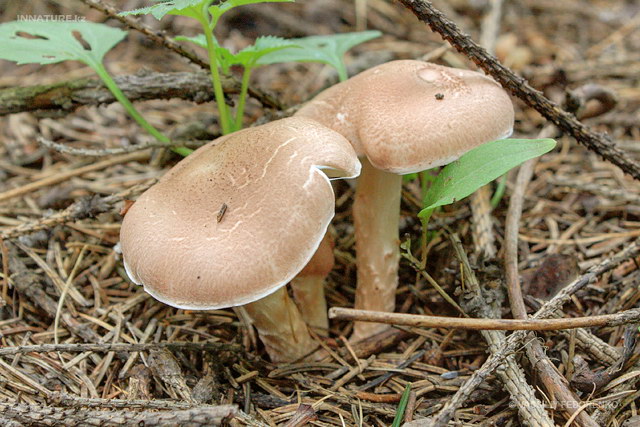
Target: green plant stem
{"x": 244, "y": 88}
{"x": 424, "y": 220}
{"x": 497, "y": 196}
{"x": 120, "y": 96}
{"x": 342, "y": 72}
{"x": 223, "y": 112}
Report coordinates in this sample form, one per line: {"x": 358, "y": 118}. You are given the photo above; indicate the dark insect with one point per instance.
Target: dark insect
{"x": 221, "y": 212}
{"x": 439, "y": 96}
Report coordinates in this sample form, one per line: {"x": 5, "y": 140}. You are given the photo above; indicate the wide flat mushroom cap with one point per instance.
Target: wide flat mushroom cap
{"x": 407, "y": 116}
{"x": 177, "y": 241}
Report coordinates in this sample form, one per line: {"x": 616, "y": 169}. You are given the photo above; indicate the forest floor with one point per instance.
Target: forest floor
{"x": 82, "y": 345}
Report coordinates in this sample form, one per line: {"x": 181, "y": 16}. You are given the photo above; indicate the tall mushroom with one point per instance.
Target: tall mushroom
{"x": 403, "y": 117}
{"x": 235, "y": 221}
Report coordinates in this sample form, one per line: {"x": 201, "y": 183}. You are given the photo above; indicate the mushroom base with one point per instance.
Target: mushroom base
{"x": 376, "y": 214}
{"x": 280, "y": 327}
{"x": 308, "y": 292}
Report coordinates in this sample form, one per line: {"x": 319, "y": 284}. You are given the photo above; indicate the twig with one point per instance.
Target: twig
{"x": 53, "y": 416}
{"x": 63, "y": 148}
{"x": 160, "y": 38}
{"x": 213, "y": 347}
{"x": 519, "y": 87}
{"x": 64, "y": 399}
{"x": 86, "y": 207}
{"x": 68, "y": 96}
{"x": 303, "y": 416}
{"x": 403, "y": 319}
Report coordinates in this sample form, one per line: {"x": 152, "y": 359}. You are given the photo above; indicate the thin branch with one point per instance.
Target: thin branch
{"x": 89, "y": 152}
{"x": 105, "y": 348}
{"x": 556, "y": 384}
{"x": 54, "y": 416}
{"x": 67, "y": 96}
{"x": 86, "y": 207}
{"x": 403, "y": 319}
{"x": 519, "y": 87}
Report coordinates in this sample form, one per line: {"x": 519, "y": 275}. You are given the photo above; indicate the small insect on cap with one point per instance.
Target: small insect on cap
{"x": 239, "y": 217}
{"x": 408, "y": 116}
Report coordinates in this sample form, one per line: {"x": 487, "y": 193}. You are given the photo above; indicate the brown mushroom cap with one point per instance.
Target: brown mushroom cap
{"x": 408, "y": 116}
{"x": 178, "y": 244}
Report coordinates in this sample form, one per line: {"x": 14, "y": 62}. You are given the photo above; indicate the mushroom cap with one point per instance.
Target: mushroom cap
{"x": 408, "y": 116}
{"x": 179, "y": 244}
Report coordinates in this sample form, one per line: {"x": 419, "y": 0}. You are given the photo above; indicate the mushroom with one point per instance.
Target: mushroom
{"x": 403, "y": 117}
{"x": 308, "y": 287}
{"x": 236, "y": 220}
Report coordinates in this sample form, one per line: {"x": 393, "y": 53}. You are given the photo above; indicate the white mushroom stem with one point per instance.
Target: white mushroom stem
{"x": 308, "y": 292}
{"x": 376, "y": 214}
{"x": 281, "y": 328}
{"x": 308, "y": 287}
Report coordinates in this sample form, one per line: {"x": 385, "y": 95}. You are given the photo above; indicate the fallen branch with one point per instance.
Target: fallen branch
{"x": 53, "y": 416}
{"x": 403, "y": 319}
{"x": 67, "y": 96}
{"x": 105, "y": 348}
{"x": 519, "y": 87}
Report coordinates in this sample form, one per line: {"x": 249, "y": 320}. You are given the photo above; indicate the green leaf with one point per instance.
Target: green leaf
{"x": 402, "y": 406}
{"x": 250, "y": 55}
{"x": 325, "y": 49}
{"x": 55, "y": 41}
{"x": 199, "y": 40}
{"x": 190, "y": 8}
{"x": 480, "y": 166}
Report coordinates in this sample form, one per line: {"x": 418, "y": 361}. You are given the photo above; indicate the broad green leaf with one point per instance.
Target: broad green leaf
{"x": 480, "y": 166}
{"x": 189, "y": 8}
{"x": 55, "y": 41}
{"x": 328, "y": 49}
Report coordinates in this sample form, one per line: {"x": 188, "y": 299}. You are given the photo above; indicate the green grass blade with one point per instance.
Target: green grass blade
{"x": 402, "y": 406}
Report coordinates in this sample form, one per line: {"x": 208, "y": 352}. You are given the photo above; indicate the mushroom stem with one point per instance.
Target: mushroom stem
{"x": 308, "y": 293}
{"x": 308, "y": 287}
{"x": 376, "y": 214}
{"x": 280, "y": 326}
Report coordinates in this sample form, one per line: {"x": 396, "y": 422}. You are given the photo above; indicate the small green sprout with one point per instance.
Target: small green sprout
{"x": 402, "y": 406}
{"x": 208, "y": 16}
{"x": 266, "y": 50}
{"x": 248, "y": 58}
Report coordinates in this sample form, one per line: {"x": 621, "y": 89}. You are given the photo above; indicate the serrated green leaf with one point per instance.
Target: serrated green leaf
{"x": 250, "y": 55}
{"x": 56, "y": 42}
{"x": 189, "y": 8}
{"x": 328, "y": 49}
{"x": 480, "y": 166}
